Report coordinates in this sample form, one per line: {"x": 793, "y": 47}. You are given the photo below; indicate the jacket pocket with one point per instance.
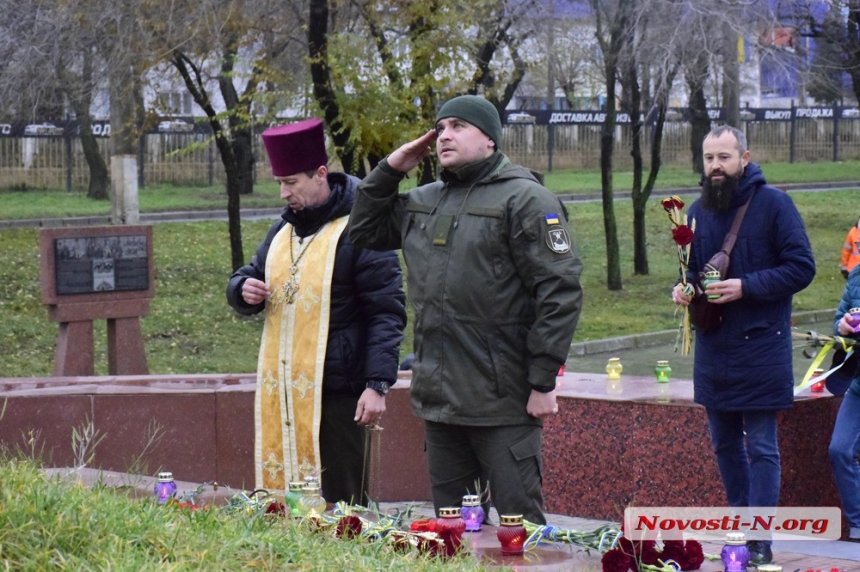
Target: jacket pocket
{"x": 490, "y": 231}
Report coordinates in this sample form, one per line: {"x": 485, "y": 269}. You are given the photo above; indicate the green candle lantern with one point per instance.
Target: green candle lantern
{"x": 663, "y": 371}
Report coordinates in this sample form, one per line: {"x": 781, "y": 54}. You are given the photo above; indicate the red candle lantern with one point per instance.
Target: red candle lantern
{"x": 512, "y": 534}
{"x": 818, "y": 386}
{"x": 450, "y": 527}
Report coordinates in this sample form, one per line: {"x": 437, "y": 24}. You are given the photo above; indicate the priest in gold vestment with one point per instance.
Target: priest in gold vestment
{"x": 333, "y": 321}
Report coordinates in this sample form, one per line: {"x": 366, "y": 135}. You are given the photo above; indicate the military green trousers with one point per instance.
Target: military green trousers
{"x": 471, "y": 459}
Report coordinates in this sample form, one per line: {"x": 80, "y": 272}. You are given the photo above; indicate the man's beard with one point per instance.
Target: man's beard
{"x": 718, "y": 197}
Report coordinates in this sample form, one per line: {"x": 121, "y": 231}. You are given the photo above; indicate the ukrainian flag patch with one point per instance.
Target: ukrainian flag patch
{"x": 552, "y": 218}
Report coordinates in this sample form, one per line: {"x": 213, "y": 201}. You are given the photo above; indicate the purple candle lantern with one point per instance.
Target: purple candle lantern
{"x": 165, "y": 488}
{"x": 735, "y": 554}
{"x": 472, "y": 512}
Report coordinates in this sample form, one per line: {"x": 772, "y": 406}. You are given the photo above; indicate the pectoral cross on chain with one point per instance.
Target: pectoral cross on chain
{"x": 291, "y": 286}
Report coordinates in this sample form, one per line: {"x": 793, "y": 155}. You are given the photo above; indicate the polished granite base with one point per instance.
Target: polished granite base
{"x": 631, "y": 442}
{"x": 612, "y": 444}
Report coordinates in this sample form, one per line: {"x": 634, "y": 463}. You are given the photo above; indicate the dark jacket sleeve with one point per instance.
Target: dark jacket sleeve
{"x": 256, "y": 269}
{"x": 379, "y": 285}
{"x": 377, "y": 215}
{"x": 554, "y": 281}
{"x": 850, "y": 298}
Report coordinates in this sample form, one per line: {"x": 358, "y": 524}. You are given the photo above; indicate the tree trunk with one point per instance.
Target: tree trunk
{"x": 323, "y": 92}
{"x": 195, "y": 84}
{"x": 634, "y": 103}
{"x": 239, "y": 114}
{"x": 123, "y": 146}
{"x": 731, "y": 82}
{"x": 611, "y": 54}
{"x": 99, "y": 185}
{"x": 700, "y": 122}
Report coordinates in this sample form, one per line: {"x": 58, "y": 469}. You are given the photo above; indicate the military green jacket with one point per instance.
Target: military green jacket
{"x": 494, "y": 280}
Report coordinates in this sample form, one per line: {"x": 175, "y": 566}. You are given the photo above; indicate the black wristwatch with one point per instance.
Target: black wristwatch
{"x": 380, "y": 387}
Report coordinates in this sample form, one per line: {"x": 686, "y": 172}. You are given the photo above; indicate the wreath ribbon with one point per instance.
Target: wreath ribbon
{"x": 808, "y": 380}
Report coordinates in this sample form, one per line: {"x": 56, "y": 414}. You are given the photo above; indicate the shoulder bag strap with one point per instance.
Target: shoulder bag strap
{"x": 732, "y": 237}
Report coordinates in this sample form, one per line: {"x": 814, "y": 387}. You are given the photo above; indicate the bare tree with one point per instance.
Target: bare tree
{"x": 50, "y": 59}
{"x": 836, "y": 26}
{"x": 614, "y": 31}
{"x": 227, "y": 49}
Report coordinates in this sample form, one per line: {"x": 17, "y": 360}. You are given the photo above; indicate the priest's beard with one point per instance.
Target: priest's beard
{"x": 718, "y": 197}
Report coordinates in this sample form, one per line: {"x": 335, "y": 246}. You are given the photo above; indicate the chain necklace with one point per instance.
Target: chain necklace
{"x": 291, "y": 286}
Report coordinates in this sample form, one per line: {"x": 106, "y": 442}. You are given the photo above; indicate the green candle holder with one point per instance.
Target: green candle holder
{"x": 663, "y": 371}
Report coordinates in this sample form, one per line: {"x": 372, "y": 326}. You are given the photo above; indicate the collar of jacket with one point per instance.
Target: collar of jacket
{"x": 751, "y": 179}
{"x": 339, "y": 203}
{"x": 476, "y": 171}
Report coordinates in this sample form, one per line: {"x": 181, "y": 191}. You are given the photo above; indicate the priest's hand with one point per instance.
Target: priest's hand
{"x": 370, "y": 407}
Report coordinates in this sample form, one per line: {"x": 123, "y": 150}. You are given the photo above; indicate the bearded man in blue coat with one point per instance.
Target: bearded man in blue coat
{"x": 743, "y": 373}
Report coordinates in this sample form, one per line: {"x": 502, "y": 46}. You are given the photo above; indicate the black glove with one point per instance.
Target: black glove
{"x": 845, "y": 274}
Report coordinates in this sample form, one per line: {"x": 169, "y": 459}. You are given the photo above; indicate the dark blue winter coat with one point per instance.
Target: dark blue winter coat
{"x": 368, "y": 311}
{"x": 850, "y": 299}
{"x": 745, "y": 364}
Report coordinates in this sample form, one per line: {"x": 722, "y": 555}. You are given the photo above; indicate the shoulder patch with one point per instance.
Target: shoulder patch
{"x": 557, "y": 238}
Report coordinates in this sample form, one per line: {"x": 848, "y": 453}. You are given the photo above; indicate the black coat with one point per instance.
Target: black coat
{"x": 367, "y": 300}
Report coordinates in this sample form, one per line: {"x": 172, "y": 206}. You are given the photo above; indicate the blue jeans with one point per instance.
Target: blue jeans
{"x": 747, "y": 455}
{"x": 844, "y": 450}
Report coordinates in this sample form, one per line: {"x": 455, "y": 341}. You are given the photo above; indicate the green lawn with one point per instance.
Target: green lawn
{"x": 56, "y": 203}
{"x": 191, "y": 329}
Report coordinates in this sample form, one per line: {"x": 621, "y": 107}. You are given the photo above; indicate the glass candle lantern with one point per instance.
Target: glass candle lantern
{"x": 854, "y": 319}
{"x": 818, "y": 386}
{"x": 614, "y": 368}
{"x": 165, "y": 487}
{"x": 450, "y": 527}
{"x": 711, "y": 276}
{"x": 312, "y": 499}
{"x": 735, "y": 554}
{"x": 472, "y": 513}
{"x": 293, "y": 498}
{"x": 663, "y": 371}
{"x": 512, "y": 534}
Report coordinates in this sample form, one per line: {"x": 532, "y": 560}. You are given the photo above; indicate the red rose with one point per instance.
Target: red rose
{"x": 671, "y": 203}
{"x": 682, "y": 235}
{"x": 430, "y": 546}
{"x": 426, "y": 525}
{"x": 647, "y": 552}
{"x": 694, "y": 554}
{"x": 348, "y": 527}
{"x": 616, "y": 561}
{"x": 277, "y": 508}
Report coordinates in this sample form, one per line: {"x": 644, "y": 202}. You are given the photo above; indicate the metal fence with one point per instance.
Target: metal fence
{"x": 190, "y": 158}
{"x": 550, "y": 147}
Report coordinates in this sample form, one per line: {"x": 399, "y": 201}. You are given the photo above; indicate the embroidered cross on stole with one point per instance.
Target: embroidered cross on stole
{"x": 288, "y": 398}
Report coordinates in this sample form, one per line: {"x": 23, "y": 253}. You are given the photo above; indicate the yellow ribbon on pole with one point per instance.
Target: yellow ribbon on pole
{"x": 829, "y": 344}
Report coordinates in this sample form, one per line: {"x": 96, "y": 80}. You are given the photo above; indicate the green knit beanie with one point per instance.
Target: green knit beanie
{"x": 477, "y": 111}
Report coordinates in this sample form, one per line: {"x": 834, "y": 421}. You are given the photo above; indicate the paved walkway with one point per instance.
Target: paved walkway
{"x": 257, "y": 213}
{"x": 816, "y": 555}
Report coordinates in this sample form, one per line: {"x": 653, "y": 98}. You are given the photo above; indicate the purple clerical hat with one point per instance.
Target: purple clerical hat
{"x": 296, "y": 147}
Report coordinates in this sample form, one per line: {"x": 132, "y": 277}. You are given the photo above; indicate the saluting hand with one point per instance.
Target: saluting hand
{"x": 407, "y": 156}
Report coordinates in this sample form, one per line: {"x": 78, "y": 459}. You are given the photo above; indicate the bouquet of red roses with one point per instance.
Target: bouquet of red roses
{"x": 682, "y": 235}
